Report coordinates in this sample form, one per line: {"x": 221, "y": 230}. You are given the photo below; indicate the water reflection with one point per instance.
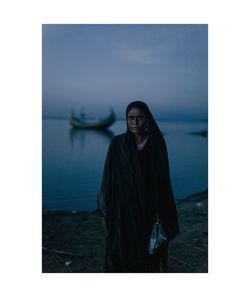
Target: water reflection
{"x": 73, "y": 161}
{"x": 79, "y": 136}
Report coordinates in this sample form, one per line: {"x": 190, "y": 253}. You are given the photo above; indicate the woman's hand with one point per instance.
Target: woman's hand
{"x": 158, "y": 219}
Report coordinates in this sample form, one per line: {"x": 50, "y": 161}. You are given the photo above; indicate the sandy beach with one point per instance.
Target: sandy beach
{"x": 74, "y": 242}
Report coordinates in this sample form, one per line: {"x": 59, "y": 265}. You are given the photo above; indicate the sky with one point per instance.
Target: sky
{"x": 103, "y": 66}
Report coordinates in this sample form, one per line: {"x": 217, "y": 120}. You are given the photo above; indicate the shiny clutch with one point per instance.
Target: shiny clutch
{"x": 158, "y": 239}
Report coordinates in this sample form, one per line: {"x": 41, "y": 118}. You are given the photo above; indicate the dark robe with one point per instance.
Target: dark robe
{"x": 135, "y": 187}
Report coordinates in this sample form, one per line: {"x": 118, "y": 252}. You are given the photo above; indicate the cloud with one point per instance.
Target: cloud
{"x": 161, "y": 53}
{"x": 141, "y": 55}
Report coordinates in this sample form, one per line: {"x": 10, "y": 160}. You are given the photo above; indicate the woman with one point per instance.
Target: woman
{"x": 136, "y": 192}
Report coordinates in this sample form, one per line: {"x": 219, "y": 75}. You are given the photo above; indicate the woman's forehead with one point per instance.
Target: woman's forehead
{"x": 134, "y": 111}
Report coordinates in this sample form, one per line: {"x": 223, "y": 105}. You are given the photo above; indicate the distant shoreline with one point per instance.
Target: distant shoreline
{"x": 70, "y": 212}
{"x": 123, "y": 119}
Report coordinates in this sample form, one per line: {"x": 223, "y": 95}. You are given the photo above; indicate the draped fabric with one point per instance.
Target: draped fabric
{"x": 135, "y": 188}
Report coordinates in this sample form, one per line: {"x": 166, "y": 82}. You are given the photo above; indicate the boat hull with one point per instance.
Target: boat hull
{"x": 76, "y": 123}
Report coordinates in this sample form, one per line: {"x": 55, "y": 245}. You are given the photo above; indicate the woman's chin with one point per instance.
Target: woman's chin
{"x": 136, "y": 131}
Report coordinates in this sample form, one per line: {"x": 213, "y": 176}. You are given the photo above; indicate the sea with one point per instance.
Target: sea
{"x": 73, "y": 161}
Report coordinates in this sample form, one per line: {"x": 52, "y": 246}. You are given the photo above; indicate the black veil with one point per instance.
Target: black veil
{"x": 128, "y": 209}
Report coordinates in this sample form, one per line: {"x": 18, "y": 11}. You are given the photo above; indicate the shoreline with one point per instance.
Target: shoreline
{"x": 178, "y": 200}
{"x": 74, "y": 241}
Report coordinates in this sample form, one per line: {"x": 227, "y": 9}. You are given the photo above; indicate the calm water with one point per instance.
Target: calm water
{"x": 73, "y": 161}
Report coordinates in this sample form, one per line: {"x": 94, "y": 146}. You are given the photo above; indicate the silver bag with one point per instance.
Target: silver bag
{"x": 158, "y": 239}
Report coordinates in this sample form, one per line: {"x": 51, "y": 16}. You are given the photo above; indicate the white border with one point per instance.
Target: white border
{"x": 21, "y": 147}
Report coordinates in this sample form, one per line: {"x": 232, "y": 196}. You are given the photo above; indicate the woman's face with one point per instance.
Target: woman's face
{"x": 136, "y": 120}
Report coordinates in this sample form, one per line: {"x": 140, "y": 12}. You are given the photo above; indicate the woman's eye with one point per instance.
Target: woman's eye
{"x": 131, "y": 118}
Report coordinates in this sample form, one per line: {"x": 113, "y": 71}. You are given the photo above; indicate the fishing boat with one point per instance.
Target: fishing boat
{"x": 82, "y": 123}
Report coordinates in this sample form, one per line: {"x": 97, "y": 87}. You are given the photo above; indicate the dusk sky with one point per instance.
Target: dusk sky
{"x": 98, "y": 66}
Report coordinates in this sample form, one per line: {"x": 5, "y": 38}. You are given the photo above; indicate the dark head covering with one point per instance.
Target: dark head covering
{"x": 141, "y": 105}
{"x": 151, "y": 126}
